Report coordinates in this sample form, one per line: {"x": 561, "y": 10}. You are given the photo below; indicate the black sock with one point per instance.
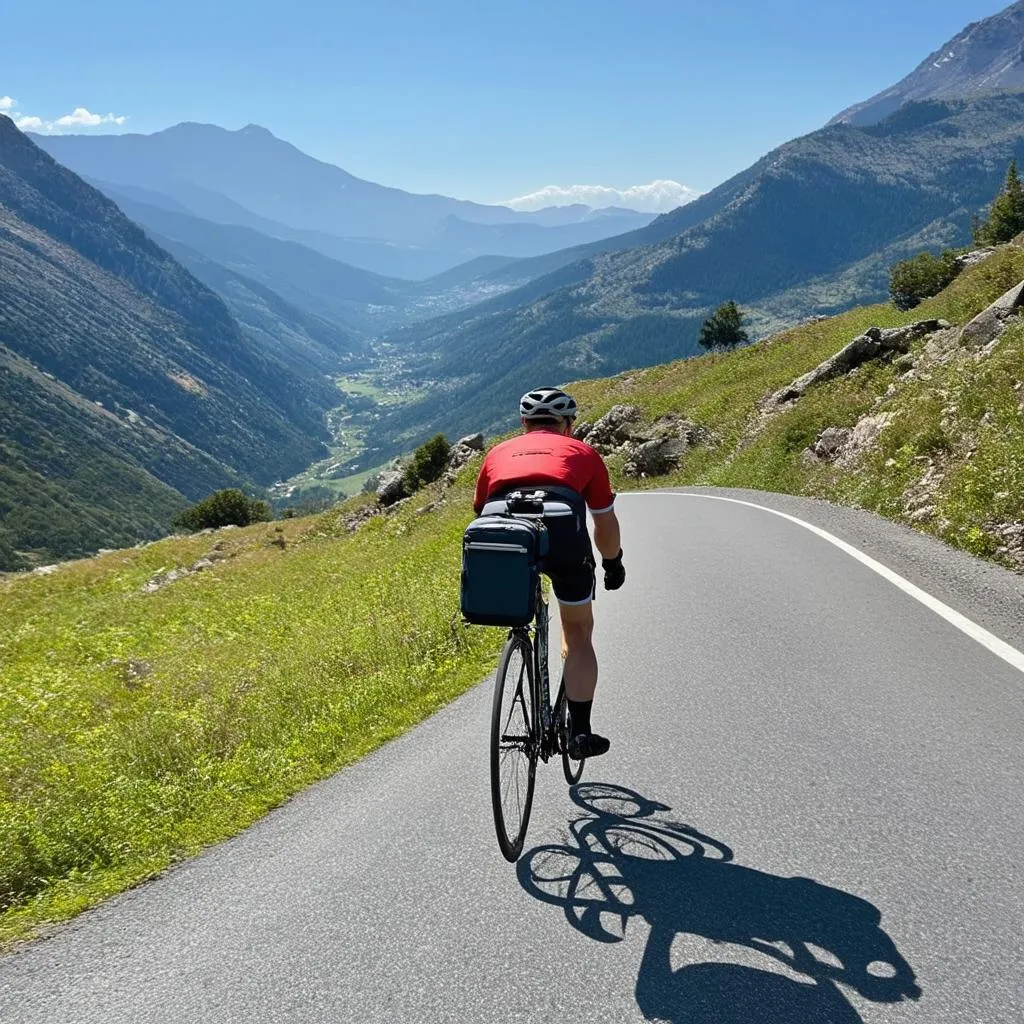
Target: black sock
{"x": 579, "y": 716}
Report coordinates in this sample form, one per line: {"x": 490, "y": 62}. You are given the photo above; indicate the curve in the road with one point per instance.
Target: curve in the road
{"x": 1000, "y": 648}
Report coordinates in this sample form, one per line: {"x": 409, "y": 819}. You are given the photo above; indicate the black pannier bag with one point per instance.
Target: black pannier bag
{"x": 501, "y": 557}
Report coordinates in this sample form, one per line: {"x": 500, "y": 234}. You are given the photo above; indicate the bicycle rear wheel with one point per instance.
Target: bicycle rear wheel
{"x": 514, "y": 746}
{"x": 572, "y": 770}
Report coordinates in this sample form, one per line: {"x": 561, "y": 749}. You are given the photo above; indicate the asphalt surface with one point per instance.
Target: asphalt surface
{"x": 813, "y": 811}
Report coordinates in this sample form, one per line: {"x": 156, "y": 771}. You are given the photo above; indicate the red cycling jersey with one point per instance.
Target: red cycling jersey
{"x": 545, "y": 457}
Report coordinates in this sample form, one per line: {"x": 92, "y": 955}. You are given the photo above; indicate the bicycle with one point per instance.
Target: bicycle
{"x": 540, "y": 730}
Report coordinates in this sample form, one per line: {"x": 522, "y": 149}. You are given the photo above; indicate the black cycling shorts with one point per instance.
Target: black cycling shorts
{"x": 570, "y": 561}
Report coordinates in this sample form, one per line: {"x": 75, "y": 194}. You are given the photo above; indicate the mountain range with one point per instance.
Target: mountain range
{"x": 250, "y": 178}
{"x": 186, "y": 338}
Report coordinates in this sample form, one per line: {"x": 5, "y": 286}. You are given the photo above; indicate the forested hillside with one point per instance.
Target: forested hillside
{"x": 811, "y": 229}
{"x": 126, "y": 386}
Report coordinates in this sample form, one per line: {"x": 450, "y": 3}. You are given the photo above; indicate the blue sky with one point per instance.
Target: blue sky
{"x": 484, "y": 100}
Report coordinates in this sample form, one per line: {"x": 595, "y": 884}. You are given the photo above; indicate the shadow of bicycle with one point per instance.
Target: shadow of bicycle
{"x": 626, "y": 860}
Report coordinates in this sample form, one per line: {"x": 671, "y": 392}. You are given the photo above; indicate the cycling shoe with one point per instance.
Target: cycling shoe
{"x": 587, "y": 744}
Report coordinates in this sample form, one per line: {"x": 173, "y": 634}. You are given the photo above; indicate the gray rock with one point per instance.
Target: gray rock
{"x": 612, "y": 430}
{"x": 459, "y": 457}
{"x": 870, "y": 345}
{"x": 831, "y": 442}
{"x": 582, "y": 430}
{"x": 676, "y": 427}
{"x": 973, "y": 258}
{"x": 391, "y": 488}
{"x": 989, "y": 324}
{"x": 353, "y": 520}
{"x": 474, "y": 441}
{"x": 654, "y": 458}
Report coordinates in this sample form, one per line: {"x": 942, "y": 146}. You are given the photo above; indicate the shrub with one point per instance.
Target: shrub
{"x": 922, "y": 276}
{"x": 428, "y": 462}
{"x": 230, "y": 507}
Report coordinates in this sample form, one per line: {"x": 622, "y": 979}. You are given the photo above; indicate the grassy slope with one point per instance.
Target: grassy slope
{"x": 268, "y": 671}
{"x": 940, "y": 416}
{"x": 278, "y": 665}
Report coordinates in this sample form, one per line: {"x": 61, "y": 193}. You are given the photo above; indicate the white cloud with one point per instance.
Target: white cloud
{"x": 657, "y": 197}
{"x": 82, "y": 118}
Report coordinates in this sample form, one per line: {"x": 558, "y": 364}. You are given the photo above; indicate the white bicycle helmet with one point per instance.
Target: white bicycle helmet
{"x": 545, "y": 403}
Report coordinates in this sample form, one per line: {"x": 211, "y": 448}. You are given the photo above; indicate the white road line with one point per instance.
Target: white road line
{"x": 988, "y": 640}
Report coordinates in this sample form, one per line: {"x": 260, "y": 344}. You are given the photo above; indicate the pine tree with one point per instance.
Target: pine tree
{"x": 724, "y": 329}
{"x": 1006, "y": 218}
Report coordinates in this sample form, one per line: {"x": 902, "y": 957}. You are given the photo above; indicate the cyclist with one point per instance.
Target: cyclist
{"x": 547, "y": 457}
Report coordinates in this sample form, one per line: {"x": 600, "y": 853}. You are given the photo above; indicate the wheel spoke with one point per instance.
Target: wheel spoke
{"x": 512, "y": 747}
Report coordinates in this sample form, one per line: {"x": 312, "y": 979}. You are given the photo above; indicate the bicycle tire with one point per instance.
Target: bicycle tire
{"x": 572, "y": 770}
{"x": 514, "y": 745}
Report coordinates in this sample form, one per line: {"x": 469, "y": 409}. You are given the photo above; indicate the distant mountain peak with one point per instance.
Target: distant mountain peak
{"x": 986, "y": 56}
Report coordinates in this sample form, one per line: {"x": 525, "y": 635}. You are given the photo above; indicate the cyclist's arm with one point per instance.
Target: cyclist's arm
{"x": 606, "y": 534}
{"x": 601, "y": 500}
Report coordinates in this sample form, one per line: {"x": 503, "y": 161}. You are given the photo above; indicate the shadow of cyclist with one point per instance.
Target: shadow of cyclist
{"x": 626, "y": 860}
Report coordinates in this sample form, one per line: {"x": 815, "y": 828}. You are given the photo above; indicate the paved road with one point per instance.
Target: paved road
{"x": 812, "y": 811}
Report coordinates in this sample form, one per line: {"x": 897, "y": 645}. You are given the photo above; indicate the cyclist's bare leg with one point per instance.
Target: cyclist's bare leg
{"x": 580, "y": 669}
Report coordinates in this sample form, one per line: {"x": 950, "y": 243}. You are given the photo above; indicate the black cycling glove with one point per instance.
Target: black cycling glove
{"x": 614, "y": 572}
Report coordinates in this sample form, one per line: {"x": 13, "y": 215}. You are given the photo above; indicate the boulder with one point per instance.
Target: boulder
{"x": 473, "y": 441}
{"x": 613, "y": 429}
{"x": 831, "y": 442}
{"x": 391, "y": 488}
{"x": 653, "y": 458}
{"x": 865, "y": 434}
{"x": 989, "y": 324}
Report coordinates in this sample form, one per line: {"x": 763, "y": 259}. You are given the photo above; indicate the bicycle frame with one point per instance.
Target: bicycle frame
{"x": 536, "y": 635}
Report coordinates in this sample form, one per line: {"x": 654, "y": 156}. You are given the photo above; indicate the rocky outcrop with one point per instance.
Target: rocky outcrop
{"x": 844, "y": 444}
{"x": 989, "y": 324}
{"x": 463, "y": 452}
{"x": 873, "y": 343}
{"x": 164, "y": 577}
{"x": 391, "y": 488}
{"x": 650, "y": 449}
{"x": 973, "y": 258}
{"x": 612, "y": 430}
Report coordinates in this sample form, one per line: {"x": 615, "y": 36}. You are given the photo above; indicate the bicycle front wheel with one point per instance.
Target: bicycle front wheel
{"x": 514, "y": 748}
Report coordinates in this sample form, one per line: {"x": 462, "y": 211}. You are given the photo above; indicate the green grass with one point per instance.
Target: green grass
{"x": 271, "y": 670}
{"x": 965, "y": 417}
